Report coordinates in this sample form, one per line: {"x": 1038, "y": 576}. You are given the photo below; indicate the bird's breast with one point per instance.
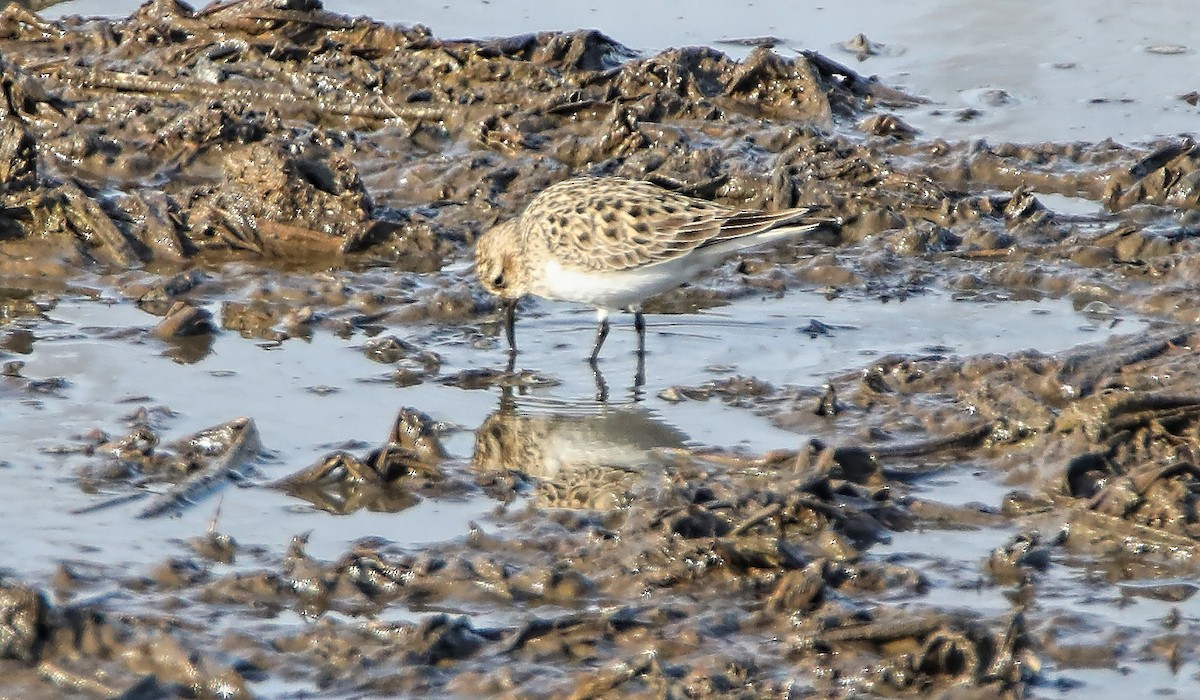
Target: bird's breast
{"x": 612, "y": 290}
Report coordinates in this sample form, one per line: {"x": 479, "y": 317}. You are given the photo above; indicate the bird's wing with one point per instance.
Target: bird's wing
{"x": 609, "y": 224}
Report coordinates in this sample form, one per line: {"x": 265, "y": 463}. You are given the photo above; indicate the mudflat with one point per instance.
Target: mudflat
{"x": 262, "y": 436}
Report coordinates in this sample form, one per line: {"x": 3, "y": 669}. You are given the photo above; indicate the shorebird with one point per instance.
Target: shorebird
{"x": 611, "y": 243}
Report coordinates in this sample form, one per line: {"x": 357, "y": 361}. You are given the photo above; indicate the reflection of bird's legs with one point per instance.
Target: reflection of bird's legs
{"x": 510, "y": 325}
{"x": 508, "y": 402}
{"x": 601, "y": 385}
{"x": 601, "y": 333}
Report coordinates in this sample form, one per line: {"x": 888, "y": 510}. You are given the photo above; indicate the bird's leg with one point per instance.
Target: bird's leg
{"x": 601, "y": 333}
{"x": 639, "y": 324}
{"x": 510, "y": 324}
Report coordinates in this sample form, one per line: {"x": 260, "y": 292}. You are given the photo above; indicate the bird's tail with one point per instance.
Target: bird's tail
{"x": 747, "y": 229}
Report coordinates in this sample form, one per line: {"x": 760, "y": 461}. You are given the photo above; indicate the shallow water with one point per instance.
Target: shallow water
{"x": 112, "y": 372}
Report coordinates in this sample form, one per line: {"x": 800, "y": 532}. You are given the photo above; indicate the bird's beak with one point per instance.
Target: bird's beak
{"x": 510, "y": 323}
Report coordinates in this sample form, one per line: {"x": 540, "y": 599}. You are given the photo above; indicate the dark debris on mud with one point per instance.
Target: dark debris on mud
{"x": 310, "y": 170}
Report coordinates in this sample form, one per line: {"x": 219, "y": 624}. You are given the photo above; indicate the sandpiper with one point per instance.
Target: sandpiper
{"x": 611, "y": 243}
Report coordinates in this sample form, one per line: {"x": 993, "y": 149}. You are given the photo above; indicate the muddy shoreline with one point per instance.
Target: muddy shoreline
{"x": 213, "y": 186}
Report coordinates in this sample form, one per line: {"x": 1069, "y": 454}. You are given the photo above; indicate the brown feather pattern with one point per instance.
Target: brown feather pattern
{"x": 608, "y": 224}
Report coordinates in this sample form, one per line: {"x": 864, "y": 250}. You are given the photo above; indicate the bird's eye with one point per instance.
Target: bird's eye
{"x": 498, "y": 281}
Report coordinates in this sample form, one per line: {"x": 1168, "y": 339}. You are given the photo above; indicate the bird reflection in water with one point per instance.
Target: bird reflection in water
{"x": 581, "y": 455}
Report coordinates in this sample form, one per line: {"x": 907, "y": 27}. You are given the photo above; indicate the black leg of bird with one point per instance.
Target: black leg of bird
{"x": 601, "y": 334}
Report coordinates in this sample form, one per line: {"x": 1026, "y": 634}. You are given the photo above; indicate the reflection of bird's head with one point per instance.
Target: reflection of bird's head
{"x": 497, "y": 262}
{"x": 500, "y": 444}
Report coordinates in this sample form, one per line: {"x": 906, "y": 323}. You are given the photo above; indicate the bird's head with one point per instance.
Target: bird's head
{"x": 498, "y": 264}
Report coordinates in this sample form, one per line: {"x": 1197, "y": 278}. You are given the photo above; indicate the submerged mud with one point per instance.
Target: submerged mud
{"x": 277, "y": 172}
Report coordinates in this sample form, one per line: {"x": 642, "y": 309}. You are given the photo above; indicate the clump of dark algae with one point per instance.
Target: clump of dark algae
{"x": 316, "y": 173}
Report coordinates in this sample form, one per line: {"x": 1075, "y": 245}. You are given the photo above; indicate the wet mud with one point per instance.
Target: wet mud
{"x": 269, "y": 178}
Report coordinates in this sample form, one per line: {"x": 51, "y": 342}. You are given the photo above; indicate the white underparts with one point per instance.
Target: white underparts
{"x": 617, "y": 290}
